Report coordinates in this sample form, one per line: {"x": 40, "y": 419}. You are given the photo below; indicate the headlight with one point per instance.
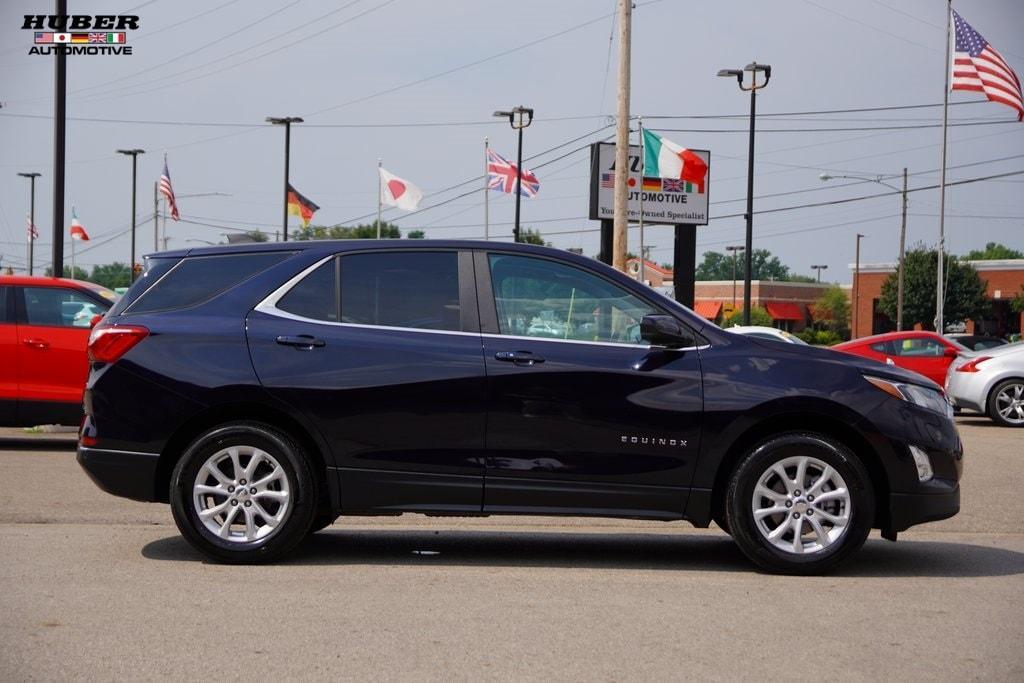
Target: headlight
{"x": 926, "y": 398}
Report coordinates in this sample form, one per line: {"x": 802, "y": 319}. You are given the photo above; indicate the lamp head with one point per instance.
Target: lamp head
{"x": 730, "y": 73}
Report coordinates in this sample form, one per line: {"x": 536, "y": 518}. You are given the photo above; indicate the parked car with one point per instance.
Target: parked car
{"x": 992, "y": 382}
{"x": 766, "y": 333}
{"x": 977, "y": 342}
{"x": 43, "y": 339}
{"x": 925, "y": 353}
{"x": 263, "y": 390}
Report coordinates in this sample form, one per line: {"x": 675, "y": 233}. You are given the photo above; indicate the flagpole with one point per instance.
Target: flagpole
{"x": 73, "y": 240}
{"x": 640, "y": 132}
{"x": 380, "y": 190}
{"x": 940, "y": 294}
{"x": 487, "y": 207}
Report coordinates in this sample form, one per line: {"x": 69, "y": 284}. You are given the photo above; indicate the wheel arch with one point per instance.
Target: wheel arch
{"x": 806, "y": 423}
{"x": 252, "y": 412}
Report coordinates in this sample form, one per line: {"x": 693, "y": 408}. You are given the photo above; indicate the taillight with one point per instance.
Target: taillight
{"x": 973, "y": 365}
{"x": 108, "y": 344}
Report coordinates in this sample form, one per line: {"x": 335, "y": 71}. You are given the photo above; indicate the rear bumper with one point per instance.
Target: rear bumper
{"x": 909, "y": 509}
{"x": 129, "y": 474}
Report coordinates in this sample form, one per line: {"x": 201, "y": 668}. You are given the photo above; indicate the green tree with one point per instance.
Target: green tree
{"x": 832, "y": 311}
{"x": 258, "y": 236}
{"x": 993, "y": 251}
{"x": 764, "y": 266}
{"x": 1017, "y": 303}
{"x": 112, "y": 275}
{"x": 758, "y": 316}
{"x": 363, "y": 231}
{"x": 529, "y": 236}
{"x": 78, "y": 274}
{"x": 416, "y": 235}
{"x": 964, "y": 291}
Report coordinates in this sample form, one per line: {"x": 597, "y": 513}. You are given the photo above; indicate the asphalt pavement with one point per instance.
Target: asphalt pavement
{"x": 96, "y": 587}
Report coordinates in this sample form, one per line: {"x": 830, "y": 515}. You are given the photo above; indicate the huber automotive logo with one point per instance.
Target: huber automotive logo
{"x": 80, "y": 34}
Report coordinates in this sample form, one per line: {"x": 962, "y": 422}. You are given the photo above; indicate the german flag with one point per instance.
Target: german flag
{"x": 652, "y": 184}
{"x": 300, "y": 206}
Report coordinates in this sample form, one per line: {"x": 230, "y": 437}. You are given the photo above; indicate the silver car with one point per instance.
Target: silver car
{"x": 990, "y": 381}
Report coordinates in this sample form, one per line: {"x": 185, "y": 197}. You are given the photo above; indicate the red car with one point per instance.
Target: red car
{"x": 44, "y": 329}
{"x": 925, "y": 353}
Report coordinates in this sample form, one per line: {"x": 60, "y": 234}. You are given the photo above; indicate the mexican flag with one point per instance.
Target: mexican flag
{"x": 77, "y": 229}
{"x": 666, "y": 159}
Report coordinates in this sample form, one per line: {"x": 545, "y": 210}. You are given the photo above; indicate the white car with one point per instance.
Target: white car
{"x": 769, "y": 333}
{"x": 990, "y": 381}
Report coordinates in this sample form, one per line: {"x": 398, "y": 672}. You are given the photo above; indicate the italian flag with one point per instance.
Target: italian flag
{"x": 666, "y": 159}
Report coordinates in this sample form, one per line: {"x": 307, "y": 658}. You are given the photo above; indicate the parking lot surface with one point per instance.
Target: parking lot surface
{"x": 96, "y": 587}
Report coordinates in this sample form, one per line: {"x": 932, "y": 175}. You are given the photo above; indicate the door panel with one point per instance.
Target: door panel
{"x": 52, "y": 341}
{"x": 590, "y": 420}
{"x": 401, "y": 407}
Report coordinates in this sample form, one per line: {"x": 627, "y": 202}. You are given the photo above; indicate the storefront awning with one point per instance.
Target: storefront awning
{"x": 784, "y": 310}
{"x": 708, "y": 309}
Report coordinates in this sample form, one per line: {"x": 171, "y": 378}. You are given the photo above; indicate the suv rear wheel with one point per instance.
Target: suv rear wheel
{"x": 243, "y": 493}
{"x": 799, "y": 504}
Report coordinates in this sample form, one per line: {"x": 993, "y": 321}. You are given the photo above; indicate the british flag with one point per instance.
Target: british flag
{"x": 503, "y": 175}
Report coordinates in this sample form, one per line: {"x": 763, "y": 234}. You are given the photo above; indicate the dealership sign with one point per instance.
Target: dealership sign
{"x": 671, "y": 201}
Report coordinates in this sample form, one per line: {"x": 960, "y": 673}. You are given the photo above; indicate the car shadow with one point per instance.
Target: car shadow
{"x": 976, "y": 420}
{"x": 337, "y": 547}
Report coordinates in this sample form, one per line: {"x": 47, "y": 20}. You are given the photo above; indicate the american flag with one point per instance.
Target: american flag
{"x": 33, "y": 232}
{"x": 608, "y": 180}
{"x": 503, "y": 175}
{"x": 978, "y": 66}
{"x": 167, "y": 191}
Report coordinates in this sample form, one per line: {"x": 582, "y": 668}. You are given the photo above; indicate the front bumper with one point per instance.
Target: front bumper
{"x": 909, "y": 509}
{"x": 129, "y": 474}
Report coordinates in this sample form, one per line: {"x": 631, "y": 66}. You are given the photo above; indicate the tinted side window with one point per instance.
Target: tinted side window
{"x": 316, "y": 296}
{"x": 200, "y": 278}
{"x": 3, "y": 305}
{"x": 60, "y": 307}
{"x": 401, "y": 289}
{"x": 155, "y": 269}
{"x": 919, "y": 348}
{"x": 883, "y": 347}
{"x": 541, "y": 298}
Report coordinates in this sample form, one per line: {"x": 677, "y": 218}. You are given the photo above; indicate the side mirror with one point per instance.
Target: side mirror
{"x": 93, "y": 321}
{"x": 664, "y": 330}
{"x": 950, "y": 352}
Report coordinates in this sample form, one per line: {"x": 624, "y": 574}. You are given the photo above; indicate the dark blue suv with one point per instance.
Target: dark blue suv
{"x": 265, "y": 390}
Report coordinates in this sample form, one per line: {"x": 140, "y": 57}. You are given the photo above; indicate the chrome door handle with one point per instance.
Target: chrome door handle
{"x": 302, "y": 341}
{"x": 518, "y": 357}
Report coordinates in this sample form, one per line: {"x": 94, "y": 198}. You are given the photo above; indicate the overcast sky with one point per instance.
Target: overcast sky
{"x": 415, "y": 83}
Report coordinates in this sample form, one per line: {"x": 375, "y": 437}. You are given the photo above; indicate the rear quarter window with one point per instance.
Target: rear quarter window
{"x": 196, "y": 279}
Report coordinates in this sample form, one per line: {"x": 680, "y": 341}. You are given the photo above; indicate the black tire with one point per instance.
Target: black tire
{"x": 322, "y": 521}
{"x": 753, "y": 542}
{"x": 993, "y": 407}
{"x": 296, "y": 520}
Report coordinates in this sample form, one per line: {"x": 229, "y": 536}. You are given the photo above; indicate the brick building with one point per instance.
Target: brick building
{"x": 1004, "y": 277}
{"x": 788, "y": 303}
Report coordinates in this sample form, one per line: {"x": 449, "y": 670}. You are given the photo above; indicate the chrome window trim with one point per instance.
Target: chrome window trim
{"x": 269, "y": 307}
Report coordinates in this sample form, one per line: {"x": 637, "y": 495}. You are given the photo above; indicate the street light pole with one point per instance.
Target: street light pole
{"x": 819, "y": 269}
{"x": 525, "y": 118}
{"x": 31, "y": 216}
{"x": 856, "y": 290}
{"x": 903, "y": 232}
{"x": 734, "y": 249}
{"x": 134, "y": 154}
{"x": 287, "y": 122}
{"x": 753, "y": 68}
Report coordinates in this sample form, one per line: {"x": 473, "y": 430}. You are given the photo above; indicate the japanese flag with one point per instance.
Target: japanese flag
{"x": 397, "y": 192}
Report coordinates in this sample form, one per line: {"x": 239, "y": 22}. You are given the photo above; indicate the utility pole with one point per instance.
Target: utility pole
{"x": 31, "y": 217}
{"x": 287, "y": 122}
{"x": 899, "y": 268}
{"x": 856, "y": 290}
{"x": 134, "y": 154}
{"x": 59, "y": 120}
{"x": 156, "y": 217}
{"x": 620, "y": 228}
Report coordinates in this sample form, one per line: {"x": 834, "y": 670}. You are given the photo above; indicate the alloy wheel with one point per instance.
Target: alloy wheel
{"x": 1010, "y": 403}
{"x": 241, "y": 494}
{"x": 801, "y": 505}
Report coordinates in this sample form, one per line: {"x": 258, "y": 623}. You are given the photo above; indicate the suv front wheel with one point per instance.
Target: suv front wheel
{"x": 243, "y": 493}
{"x": 799, "y": 504}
